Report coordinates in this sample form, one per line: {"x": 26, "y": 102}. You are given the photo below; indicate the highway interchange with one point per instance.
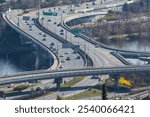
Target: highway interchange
{"x": 101, "y": 57}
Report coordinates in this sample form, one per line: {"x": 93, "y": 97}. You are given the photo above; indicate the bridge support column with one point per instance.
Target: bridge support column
{"x": 116, "y": 82}
{"x": 58, "y": 82}
{"x": 23, "y": 39}
{"x": 37, "y": 58}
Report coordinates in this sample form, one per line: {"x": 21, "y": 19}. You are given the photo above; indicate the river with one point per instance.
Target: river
{"x": 135, "y": 45}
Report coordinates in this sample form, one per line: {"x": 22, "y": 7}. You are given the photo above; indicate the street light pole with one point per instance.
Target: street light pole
{"x": 61, "y": 18}
{"x": 18, "y": 14}
{"x": 6, "y": 64}
{"x": 39, "y": 10}
{"x": 66, "y": 35}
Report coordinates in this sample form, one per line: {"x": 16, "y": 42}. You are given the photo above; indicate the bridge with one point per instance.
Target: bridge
{"x": 104, "y": 62}
{"x": 127, "y": 53}
{"x": 59, "y": 74}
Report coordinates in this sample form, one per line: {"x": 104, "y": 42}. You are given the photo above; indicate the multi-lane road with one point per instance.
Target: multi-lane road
{"x": 65, "y": 57}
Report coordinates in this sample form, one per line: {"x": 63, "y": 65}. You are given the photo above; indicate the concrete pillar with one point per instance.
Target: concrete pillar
{"x": 116, "y": 83}
{"x": 37, "y": 57}
{"x": 58, "y": 82}
{"x": 23, "y": 39}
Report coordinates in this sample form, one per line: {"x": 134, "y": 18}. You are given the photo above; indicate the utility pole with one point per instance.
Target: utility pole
{"x": 66, "y": 35}
{"x": 39, "y": 8}
{"x": 18, "y": 13}
{"x": 61, "y": 17}
{"x": 6, "y": 64}
{"x": 104, "y": 93}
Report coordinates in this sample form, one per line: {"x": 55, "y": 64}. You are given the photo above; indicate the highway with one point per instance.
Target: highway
{"x": 100, "y": 56}
{"x": 104, "y": 63}
{"x": 57, "y": 74}
{"x": 47, "y": 41}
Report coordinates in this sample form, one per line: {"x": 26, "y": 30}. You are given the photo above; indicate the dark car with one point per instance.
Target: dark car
{"x": 43, "y": 39}
{"x": 68, "y": 58}
{"x": 76, "y": 36}
{"x": 58, "y": 24}
{"x": 44, "y": 35}
{"x": 61, "y": 33}
{"x": 40, "y": 33}
{"x": 61, "y": 30}
{"x": 78, "y": 57}
{"x": 74, "y": 52}
{"x": 52, "y": 44}
{"x": 38, "y": 89}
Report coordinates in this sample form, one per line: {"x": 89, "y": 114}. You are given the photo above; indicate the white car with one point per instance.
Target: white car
{"x": 61, "y": 66}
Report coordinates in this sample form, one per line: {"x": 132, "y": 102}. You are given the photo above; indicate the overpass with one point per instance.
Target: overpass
{"x": 145, "y": 59}
{"x": 66, "y": 73}
{"x": 101, "y": 56}
{"x": 126, "y": 53}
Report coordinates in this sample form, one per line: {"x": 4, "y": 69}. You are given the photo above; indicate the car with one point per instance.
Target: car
{"x": 44, "y": 35}
{"x": 74, "y": 52}
{"x": 66, "y": 53}
{"x": 61, "y": 30}
{"x": 44, "y": 39}
{"x": 78, "y": 57}
{"x": 51, "y": 47}
{"x": 61, "y": 55}
{"x": 10, "y": 86}
{"x": 40, "y": 33}
{"x": 55, "y": 23}
{"x": 52, "y": 44}
{"x": 77, "y": 5}
{"x": 54, "y": 49}
{"x": 58, "y": 24}
{"x": 38, "y": 89}
{"x": 63, "y": 60}
{"x": 61, "y": 33}
{"x": 60, "y": 66}
{"x": 76, "y": 36}
{"x": 68, "y": 58}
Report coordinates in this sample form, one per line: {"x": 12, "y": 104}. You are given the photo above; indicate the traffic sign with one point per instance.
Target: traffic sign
{"x": 66, "y": 46}
{"x": 49, "y": 13}
{"x": 26, "y": 18}
{"x": 76, "y": 31}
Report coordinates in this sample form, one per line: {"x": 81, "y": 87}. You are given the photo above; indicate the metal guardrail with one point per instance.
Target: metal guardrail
{"x": 121, "y": 58}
